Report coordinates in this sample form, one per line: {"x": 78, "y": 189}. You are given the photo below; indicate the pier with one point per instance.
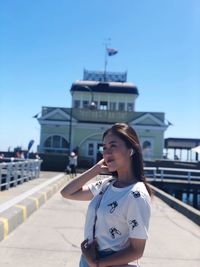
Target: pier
{"x": 52, "y": 230}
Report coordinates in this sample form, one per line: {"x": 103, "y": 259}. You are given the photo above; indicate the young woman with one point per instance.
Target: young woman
{"x": 118, "y": 215}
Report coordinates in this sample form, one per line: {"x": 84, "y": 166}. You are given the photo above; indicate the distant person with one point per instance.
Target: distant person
{"x": 73, "y": 163}
{"x": 165, "y": 156}
{"x": 20, "y": 155}
{"x": 37, "y": 156}
{"x": 117, "y": 221}
{"x": 17, "y": 155}
{"x": 176, "y": 157}
{"x": 2, "y": 157}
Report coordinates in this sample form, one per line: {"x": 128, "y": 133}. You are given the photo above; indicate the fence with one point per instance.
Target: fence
{"x": 172, "y": 173}
{"x": 17, "y": 172}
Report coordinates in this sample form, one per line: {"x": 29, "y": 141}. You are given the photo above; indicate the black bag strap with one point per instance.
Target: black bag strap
{"x": 101, "y": 193}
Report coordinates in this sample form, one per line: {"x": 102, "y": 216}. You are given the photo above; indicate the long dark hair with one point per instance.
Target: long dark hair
{"x": 129, "y": 136}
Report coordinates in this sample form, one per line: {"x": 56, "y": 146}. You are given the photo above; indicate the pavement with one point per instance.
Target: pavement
{"x": 51, "y": 236}
{"x": 18, "y": 203}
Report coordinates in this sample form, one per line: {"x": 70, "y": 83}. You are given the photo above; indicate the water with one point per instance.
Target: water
{"x": 188, "y": 199}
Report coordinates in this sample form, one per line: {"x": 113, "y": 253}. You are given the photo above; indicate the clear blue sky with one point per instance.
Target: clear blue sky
{"x": 46, "y": 44}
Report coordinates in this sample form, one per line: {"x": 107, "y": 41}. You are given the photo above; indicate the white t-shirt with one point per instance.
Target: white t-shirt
{"x": 123, "y": 213}
{"x": 73, "y": 161}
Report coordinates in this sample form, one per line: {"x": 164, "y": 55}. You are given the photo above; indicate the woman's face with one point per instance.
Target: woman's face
{"x": 115, "y": 153}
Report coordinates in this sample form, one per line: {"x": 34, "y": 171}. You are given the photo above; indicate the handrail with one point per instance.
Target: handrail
{"x": 172, "y": 173}
{"x": 16, "y": 172}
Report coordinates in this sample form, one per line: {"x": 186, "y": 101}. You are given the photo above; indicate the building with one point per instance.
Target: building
{"x": 99, "y": 101}
{"x": 181, "y": 145}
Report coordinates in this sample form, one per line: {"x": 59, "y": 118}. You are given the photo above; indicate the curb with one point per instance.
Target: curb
{"x": 11, "y": 218}
{"x": 188, "y": 211}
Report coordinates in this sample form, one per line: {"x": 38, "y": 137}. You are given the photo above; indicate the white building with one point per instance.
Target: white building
{"x": 96, "y": 105}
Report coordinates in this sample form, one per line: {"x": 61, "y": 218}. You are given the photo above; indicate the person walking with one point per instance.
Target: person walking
{"x": 117, "y": 220}
{"x": 73, "y": 163}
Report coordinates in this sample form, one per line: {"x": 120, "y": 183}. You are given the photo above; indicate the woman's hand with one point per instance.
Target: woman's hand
{"x": 102, "y": 167}
{"x": 90, "y": 252}
{"x": 77, "y": 189}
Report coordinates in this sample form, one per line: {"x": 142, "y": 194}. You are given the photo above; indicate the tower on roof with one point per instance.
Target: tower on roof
{"x": 113, "y": 94}
{"x": 103, "y": 76}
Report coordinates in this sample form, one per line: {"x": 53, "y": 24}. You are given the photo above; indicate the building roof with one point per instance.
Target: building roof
{"x": 104, "y": 87}
{"x": 181, "y": 143}
{"x": 101, "y": 116}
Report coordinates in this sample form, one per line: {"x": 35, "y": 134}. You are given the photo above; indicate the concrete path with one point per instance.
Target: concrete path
{"x": 51, "y": 237}
{"x": 7, "y": 195}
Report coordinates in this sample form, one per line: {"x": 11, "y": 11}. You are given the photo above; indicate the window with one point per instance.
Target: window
{"x": 130, "y": 107}
{"x": 112, "y": 106}
{"x": 146, "y": 145}
{"x": 147, "y": 148}
{"x": 48, "y": 142}
{"x": 85, "y": 103}
{"x": 103, "y": 105}
{"x": 121, "y": 106}
{"x": 56, "y": 141}
{"x": 90, "y": 149}
{"x": 56, "y": 144}
{"x": 77, "y": 103}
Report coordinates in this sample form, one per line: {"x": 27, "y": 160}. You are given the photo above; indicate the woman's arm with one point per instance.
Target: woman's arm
{"x": 125, "y": 256}
{"x": 132, "y": 253}
{"x": 76, "y": 188}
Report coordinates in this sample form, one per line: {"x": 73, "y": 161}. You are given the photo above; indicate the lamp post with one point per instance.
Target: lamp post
{"x": 92, "y": 106}
{"x": 70, "y": 128}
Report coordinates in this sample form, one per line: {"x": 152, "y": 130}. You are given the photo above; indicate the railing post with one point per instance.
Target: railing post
{"x": 1, "y": 174}
{"x": 154, "y": 174}
{"x": 29, "y": 170}
{"x": 22, "y": 171}
{"x": 162, "y": 175}
{"x": 33, "y": 168}
{"x": 8, "y": 175}
{"x": 38, "y": 166}
{"x": 15, "y": 173}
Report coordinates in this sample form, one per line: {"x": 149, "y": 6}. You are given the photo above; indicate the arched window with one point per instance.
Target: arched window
{"x": 147, "y": 149}
{"x": 146, "y": 145}
{"x": 56, "y": 144}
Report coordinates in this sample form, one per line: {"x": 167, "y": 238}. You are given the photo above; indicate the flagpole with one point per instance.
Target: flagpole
{"x": 106, "y": 62}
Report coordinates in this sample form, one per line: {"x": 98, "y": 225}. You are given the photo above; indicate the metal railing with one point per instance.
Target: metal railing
{"x": 16, "y": 172}
{"x": 172, "y": 173}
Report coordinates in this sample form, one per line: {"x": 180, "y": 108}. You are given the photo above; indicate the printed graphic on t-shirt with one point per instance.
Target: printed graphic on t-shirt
{"x": 98, "y": 184}
{"x": 114, "y": 232}
{"x": 113, "y": 206}
{"x": 136, "y": 194}
{"x": 133, "y": 223}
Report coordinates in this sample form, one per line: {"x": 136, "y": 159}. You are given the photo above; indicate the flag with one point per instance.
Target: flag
{"x": 30, "y": 144}
{"x": 169, "y": 123}
{"x": 111, "y": 51}
{"x": 36, "y": 115}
